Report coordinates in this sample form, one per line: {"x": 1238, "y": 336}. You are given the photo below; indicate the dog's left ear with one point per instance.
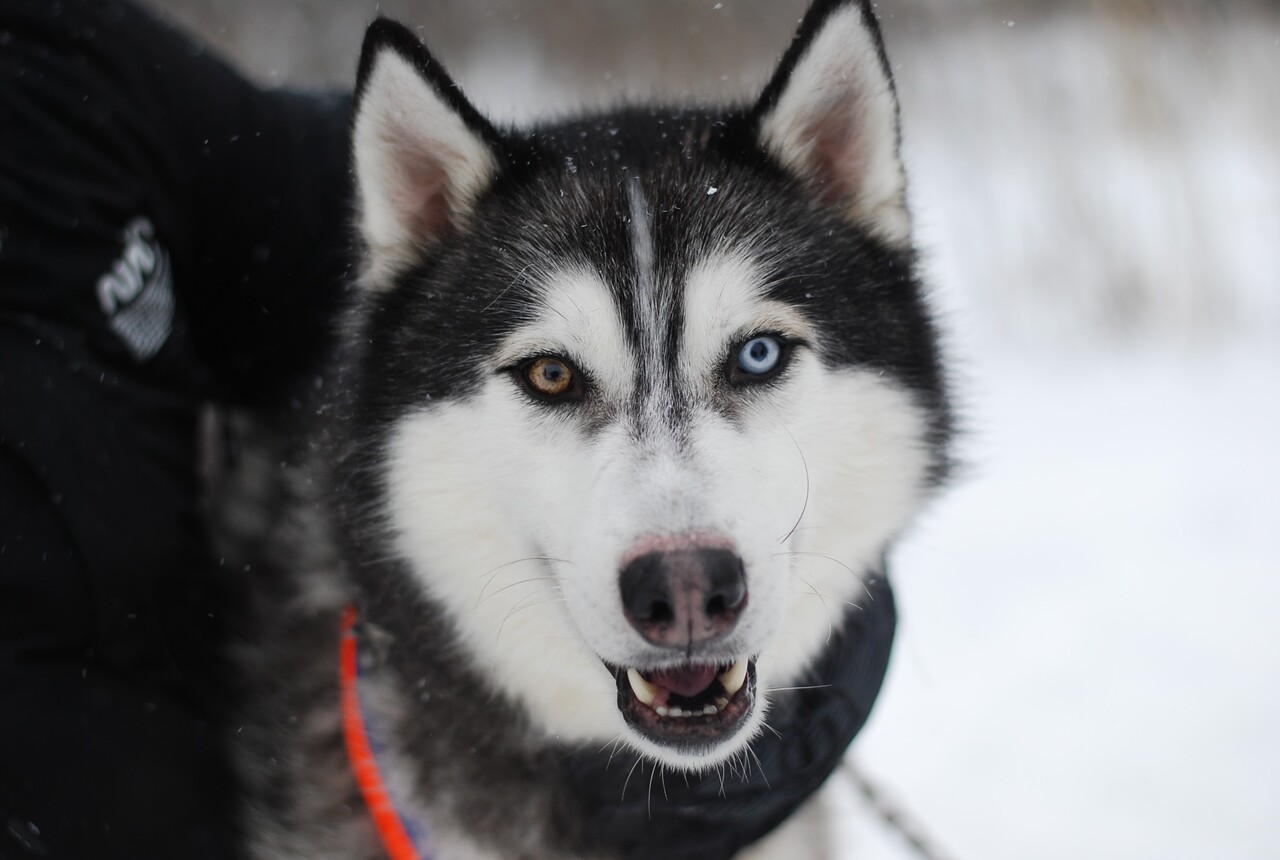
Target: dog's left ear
{"x": 423, "y": 155}
{"x": 830, "y": 116}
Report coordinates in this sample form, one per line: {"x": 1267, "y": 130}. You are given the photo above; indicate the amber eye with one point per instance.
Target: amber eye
{"x": 549, "y": 376}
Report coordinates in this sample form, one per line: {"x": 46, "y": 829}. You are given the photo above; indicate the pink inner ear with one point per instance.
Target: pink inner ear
{"x": 422, "y": 197}
{"x": 838, "y": 156}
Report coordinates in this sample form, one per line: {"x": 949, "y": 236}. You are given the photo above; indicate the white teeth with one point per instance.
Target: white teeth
{"x": 675, "y": 711}
{"x": 644, "y": 691}
{"x": 735, "y": 677}
{"x": 647, "y": 693}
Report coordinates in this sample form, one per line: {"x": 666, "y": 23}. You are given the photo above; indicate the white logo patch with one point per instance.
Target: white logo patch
{"x": 137, "y": 294}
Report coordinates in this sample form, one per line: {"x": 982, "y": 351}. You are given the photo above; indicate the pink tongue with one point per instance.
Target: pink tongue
{"x": 688, "y": 681}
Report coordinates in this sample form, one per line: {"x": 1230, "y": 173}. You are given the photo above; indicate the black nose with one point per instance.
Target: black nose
{"x": 684, "y": 597}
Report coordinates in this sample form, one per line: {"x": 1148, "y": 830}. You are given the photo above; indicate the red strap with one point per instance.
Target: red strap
{"x": 365, "y": 767}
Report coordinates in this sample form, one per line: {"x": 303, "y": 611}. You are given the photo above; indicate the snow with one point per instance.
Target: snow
{"x": 1087, "y": 658}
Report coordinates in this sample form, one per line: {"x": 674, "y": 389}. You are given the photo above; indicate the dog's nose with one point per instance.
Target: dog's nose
{"x": 684, "y": 597}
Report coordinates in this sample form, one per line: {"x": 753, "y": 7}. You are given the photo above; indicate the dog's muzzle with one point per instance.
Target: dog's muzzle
{"x": 684, "y": 601}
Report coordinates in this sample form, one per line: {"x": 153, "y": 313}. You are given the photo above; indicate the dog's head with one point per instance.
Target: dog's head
{"x": 646, "y": 392}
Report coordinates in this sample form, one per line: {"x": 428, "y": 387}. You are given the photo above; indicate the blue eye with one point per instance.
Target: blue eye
{"x": 760, "y": 355}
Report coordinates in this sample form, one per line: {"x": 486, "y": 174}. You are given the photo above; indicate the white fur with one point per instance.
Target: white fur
{"x": 724, "y": 303}
{"x": 418, "y": 166}
{"x": 576, "y": 318}
{"x": 836, "y": 123}
{"x": 480, "y": 486}
{"x": 464, "y": 481}
{"x": 653, "y": 316}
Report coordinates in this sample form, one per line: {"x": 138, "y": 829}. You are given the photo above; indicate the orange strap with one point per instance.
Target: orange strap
{"x": 363, "y": 764}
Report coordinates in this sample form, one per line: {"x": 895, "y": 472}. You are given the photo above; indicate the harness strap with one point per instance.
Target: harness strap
{"x": 364, "y": 765}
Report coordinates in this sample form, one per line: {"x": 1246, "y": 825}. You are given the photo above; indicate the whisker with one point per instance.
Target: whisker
{"x": 867, "y": 588}
{"x": 822, "y": 595}
{"x": 514, "y": 561}
{"x": 805, "y": 506}
{"x": 507, "y": 288}
{"x": 784, "y": 689}
{"x": 493, "y": 571}
{"x": 831, "y": 629}
{"x": 489, "y": 575}
{"x": 765, "y": 724}
{"x": 627, "y": 781}
{"x": 862, "y": 579}
{"x": 847, "y": 603}
{"x": 830, "y": 558}
{"x": 760, "y": 764}
{"x": 384, "y": 559}
{"x": 513, "y": 585}
{"x": 519, "y": 607}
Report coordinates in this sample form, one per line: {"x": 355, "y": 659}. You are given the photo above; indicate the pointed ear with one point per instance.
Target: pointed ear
{"x": 423, "y": 155}
{"x": 830, "y": 117}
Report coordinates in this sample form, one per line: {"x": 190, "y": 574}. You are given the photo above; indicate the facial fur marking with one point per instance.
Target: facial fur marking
{"x": 725, "y": 301}
{"x": 579, "y": 319}
{"x": 657, "y": 398}
{"x": 641, "y": 244}
{"x": 647, "y": 308}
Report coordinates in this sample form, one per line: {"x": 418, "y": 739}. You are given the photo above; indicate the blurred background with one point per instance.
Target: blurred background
{"x": 1089, "y": 659}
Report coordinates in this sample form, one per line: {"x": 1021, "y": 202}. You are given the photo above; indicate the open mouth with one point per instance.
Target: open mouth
{"x": 690, "y": 705}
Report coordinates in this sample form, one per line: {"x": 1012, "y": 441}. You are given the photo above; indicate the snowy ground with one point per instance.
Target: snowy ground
{"x": 1088, "y": 654}
{"x": 1089, "y": 650}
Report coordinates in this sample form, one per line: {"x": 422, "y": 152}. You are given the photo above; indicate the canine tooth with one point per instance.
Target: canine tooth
{"x": 735, "y": 677}
{"x": 644, "y": 691}
{"x": 662, "y": 712}
{"x": 722, "y": 702}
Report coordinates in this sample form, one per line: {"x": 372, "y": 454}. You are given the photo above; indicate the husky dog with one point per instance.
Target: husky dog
{"x": 628, "y": 409}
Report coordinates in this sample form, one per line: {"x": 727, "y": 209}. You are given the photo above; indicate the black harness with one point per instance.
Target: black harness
{"x": 638, "y": 815}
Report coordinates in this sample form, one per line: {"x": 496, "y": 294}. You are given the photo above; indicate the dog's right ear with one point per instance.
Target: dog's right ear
{"x": 423, "y": 155}
{"x": 830, "y": 117}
